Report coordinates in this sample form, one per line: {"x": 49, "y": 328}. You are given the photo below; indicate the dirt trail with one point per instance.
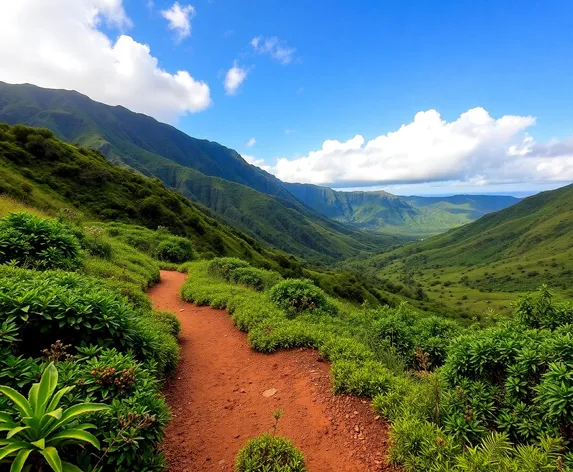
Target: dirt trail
{"x": 216, "y": 397}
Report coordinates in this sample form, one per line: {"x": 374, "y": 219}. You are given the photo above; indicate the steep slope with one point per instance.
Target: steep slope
{"x": 241, "y": 195}
{"x": 384, "y": 212}
{"x": 41, "y": 172}
{"x": 46, "y": 173}
{"x": 509, "y": 251}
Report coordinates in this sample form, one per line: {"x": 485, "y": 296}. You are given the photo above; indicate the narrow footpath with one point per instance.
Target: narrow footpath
{"x": 223, "y": 394}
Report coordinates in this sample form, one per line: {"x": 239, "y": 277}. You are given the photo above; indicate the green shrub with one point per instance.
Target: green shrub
{"x": 96, "y": 243}
{"x": 541, "y": 311}
{"x": 420, "y": 446}
{"x": 268, "y": 453}
{"x": 176, "y": 250}
{"x": 422, "y": 341}
{"x": 258, "y": 279}
{"x": 366, "y": 380}
{"x": 282, "y": 335}
{"x": 296, "y": 296}
{"x": 30, "y": 241}
{"x": 48, "y": 306}
{"x": 410, "y": 396}
{"x": 169, "y": 321}
{"x": 222, "y": 266}
{"x": 134, "y": 427}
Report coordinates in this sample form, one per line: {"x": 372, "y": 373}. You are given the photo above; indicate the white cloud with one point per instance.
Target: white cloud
{"x": 256, "y": 162}
{"x": 276, "y": 48}
{"x": 234, "y": 78}
{"x": 290, "y": 131}
{"x": 475, "y": 148}
{"x": 251, "y": 142}
{"x": 179, "y": 18}
{"x": 58, "y": 44}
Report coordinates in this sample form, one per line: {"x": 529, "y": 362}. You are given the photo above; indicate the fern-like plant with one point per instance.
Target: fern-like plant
{"x": 41, "y": 426}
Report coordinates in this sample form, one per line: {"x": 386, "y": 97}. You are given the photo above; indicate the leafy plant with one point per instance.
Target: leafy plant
{"x": 40, "y": 428}
{"x": 30, "y": 241}
{"x": 258, "y": 279}
{"x": 270, "y": 453}
{"x": 222, "y": 266}
{"x": 298, "y": 295}
{"x": 174, "y": 249}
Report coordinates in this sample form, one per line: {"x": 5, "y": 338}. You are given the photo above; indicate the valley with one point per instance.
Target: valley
{"x": 267, "y": 282}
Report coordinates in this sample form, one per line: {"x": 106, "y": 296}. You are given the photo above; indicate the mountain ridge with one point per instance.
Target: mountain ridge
{"x": 407, "y": 215}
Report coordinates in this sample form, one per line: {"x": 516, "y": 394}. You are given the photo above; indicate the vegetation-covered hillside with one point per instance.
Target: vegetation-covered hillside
{"x": 486, "y": 264}
{"x": 409, "y": 216}
{"x": 48, "y": 174}
{"x": 241, "y": 195}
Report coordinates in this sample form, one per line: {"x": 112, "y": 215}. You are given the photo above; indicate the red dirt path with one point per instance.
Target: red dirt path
{"x": 217, "y": 402}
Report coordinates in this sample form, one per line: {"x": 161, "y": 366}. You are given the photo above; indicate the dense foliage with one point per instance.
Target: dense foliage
{"x": 259, "y": 279}
{"x": 41, "y": 428}
{"x": 99, "y": 348}
{"x": 223, "y": 266}
{"x": 29, "y": 241}
{"x": 458, "y": 399}
{"x": 269, "y": 453}
{"x": 296, "y": 296}
{"x": 159, "y": 244}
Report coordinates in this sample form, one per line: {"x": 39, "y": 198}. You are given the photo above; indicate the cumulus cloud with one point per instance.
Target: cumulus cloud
{"x": 59, "y": 44}
{"x": 179, "y": 19}
{"x": 234, "y": 78}
{"x": 274, "y": 47}
{"x": 256, "y": 162}
{"x": 251, "y": 142}
{"x": 475, "y": 148}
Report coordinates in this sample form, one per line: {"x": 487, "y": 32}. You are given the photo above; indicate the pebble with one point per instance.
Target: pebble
{"x": 270, "y": 392}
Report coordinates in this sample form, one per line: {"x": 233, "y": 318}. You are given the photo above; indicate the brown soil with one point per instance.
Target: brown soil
{"x": 217, "y": 401}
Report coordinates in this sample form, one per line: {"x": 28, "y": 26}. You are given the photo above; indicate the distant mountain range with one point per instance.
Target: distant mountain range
{"x": 384, "y": 212}
{"x": 314, "y": 222}
{"x": 493, "y": 259}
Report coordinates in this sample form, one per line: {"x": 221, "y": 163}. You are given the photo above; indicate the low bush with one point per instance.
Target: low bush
{"x": 258, "y": 279}
{"x": 133, "y": 428}
{"x": 33, "y": 242}
{"x": 169, "y": 321}
{"x": 159, "y": 244}
{"x": 175, "y": 250}
{"x": 365, "y": 380}
{"x": 268, "y": 453}
{"x": 296, "y": 296}
{"x": 50, "y": 306}
{"x": 422, "y": 341}
{"x": 223, "y": 266}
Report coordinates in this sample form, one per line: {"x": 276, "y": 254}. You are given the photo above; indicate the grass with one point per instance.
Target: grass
{"x": 486, "y": 265}
{"x": 11, "y": 205}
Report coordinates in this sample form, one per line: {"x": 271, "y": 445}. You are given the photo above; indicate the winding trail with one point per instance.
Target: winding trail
{"x": 216, "y": 397}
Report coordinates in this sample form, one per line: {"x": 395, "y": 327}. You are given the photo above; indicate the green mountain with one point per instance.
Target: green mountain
{"x": 240, "y": 194}
{"x": 383, "y": 212}
{"x": 494, "y": 258}
{"x": 51, "y": 177}
{"x": 48, "y": 174}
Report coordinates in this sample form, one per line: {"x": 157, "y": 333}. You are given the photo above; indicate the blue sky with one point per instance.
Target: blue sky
{"x": 364, "y": 69}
